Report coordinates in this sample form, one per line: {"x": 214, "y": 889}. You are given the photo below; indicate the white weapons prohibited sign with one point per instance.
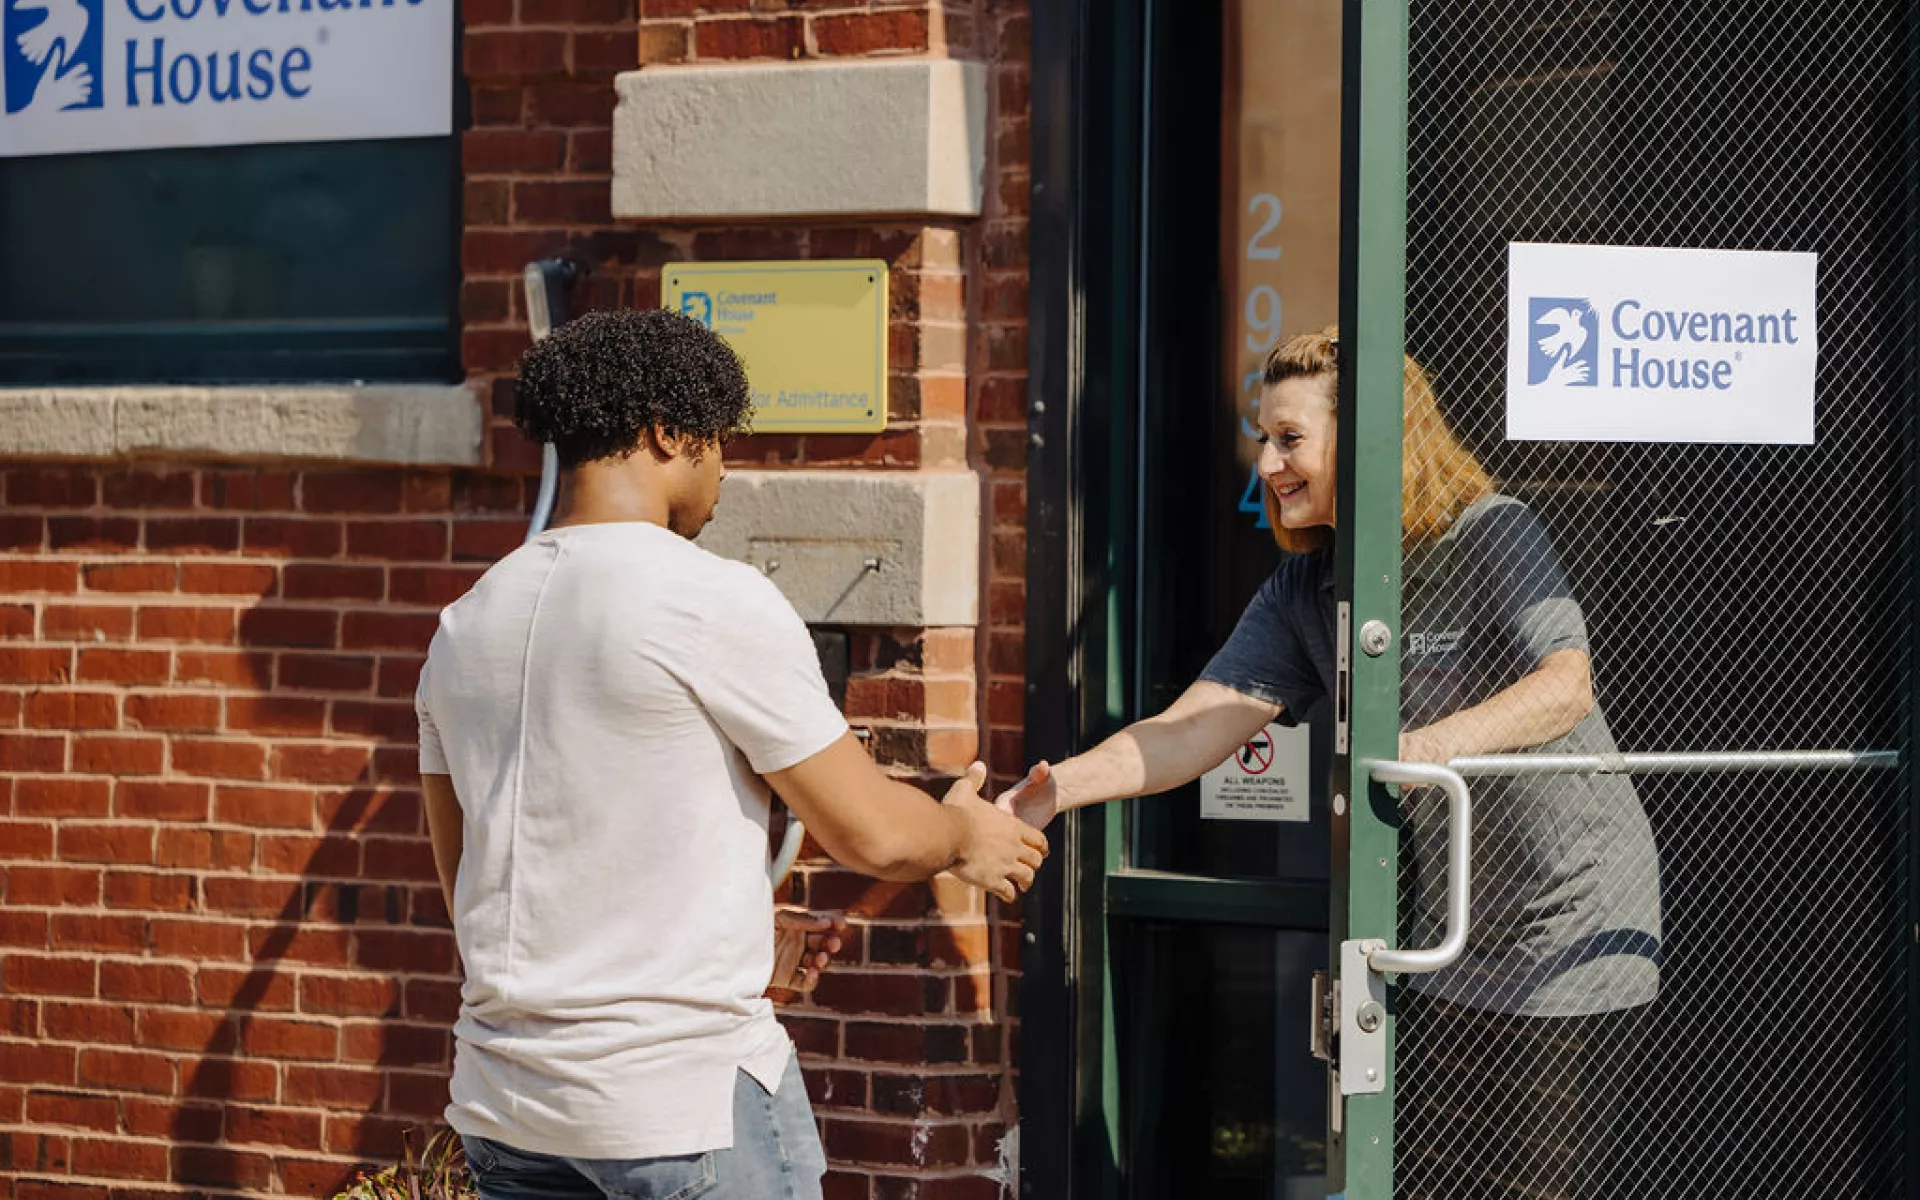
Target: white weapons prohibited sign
{"x": 1264, "y": 780}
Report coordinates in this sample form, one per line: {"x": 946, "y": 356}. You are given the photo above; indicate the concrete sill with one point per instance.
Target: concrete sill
{"x": 396, "y": 424}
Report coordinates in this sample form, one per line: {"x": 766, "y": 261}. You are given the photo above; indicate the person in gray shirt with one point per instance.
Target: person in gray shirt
{"x": 1516, "y": 1054}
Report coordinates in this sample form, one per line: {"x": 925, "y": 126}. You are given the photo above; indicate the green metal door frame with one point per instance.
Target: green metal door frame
{"x": 1367, "y": 543}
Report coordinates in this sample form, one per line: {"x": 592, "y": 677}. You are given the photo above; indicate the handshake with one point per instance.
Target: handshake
{"x": 901, "y": 834}
{"x": 1000, "y": 845}
{"x": 996, "y": 846}
{"x": 1006, "y": 868}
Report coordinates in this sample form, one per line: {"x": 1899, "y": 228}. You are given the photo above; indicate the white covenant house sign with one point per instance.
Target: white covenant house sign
{"x": 90, "y": 75}
{"x": 1650, "y": 344}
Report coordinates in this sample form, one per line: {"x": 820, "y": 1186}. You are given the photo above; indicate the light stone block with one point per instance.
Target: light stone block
{"x": 864, "y": 137}
{"x": 893, "y": 548}
{"x": 55, "y": 423}
{"x": 402, "y": 424}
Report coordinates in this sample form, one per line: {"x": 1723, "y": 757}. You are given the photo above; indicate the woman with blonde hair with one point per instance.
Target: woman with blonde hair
{"x": 1565, "y": 926}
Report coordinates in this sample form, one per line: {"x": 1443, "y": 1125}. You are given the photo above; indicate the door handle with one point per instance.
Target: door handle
{"x": 1459, "y": 868}
{"x": 1361, "y": 999}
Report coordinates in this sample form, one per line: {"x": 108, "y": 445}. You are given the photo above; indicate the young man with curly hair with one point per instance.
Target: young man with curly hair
{"x": 601, "y": 718}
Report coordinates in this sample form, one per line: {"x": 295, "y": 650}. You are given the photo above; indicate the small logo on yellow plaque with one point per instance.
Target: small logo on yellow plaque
{"x": 813, "y": 336}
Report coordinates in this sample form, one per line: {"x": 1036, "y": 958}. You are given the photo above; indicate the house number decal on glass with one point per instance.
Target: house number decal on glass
{"x": 1261, "y": 312}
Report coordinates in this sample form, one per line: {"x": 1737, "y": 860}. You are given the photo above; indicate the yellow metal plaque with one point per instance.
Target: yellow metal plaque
{"x": 813, "y": 336}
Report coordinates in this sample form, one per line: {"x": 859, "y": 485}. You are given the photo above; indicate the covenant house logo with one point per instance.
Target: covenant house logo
{"x": 699, "y": 306}
{"x": 1649, "y": 348}
{"x": 1565, "y": 344}
{"x": 93, "y": 76}
{"x": 50, "y": 54}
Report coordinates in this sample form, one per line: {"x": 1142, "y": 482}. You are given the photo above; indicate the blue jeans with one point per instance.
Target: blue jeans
{"x": 776, "y": 1155}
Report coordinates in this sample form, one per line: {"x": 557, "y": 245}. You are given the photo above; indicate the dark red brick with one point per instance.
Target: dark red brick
{"x": 511, "y": 151}
{"x": 753, "y": 37}
{"x": 93, "y": 533}
{"x": 160, "y": 800}
{"x": 54, "y": 487}
{"x": 38, "y": 575}
{"x": 562, "y": 202}
{"x": 326, "y": 672}
{"x": 150, "y": 489}
{"x": 894, "y": 31}
{"x": 193, "y": 533}
{"x": 351, "y": 492}
{"x": 515, "y": 54}
{"x": 398, "y": 541}
{"x": 131, "y": 577}
{"x": 293, "y": 537}
{"x": 269, "y": 625}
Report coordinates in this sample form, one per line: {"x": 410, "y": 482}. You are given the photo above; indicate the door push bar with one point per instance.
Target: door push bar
{"x": 1357, "y": 1007}
{"x": 1701, "y": 763}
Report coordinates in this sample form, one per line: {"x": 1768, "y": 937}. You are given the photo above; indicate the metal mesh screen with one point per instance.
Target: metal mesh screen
{"x": 1733, "y": 597}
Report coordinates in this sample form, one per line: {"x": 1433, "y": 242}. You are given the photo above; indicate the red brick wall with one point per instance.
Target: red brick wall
{"x": 223, "y": 962}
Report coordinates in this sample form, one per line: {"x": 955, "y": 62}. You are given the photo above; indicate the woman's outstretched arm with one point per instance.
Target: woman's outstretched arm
{"x": 1158, "y": 754}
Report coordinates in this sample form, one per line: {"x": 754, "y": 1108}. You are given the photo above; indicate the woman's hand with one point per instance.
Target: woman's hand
{"x": 999, "y": 853}
{"x": 1540, "y": 707}
{"x": 1425, "y": 746}
{"x": 1034, "y": 799}
{"x": 803, "y": 944}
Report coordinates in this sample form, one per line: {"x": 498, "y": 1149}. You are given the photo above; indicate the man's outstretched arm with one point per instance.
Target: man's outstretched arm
{"x": 884, "y": 828}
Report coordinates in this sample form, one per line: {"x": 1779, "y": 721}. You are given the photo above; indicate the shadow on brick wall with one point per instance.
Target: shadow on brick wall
{"x": 225, "y": 966}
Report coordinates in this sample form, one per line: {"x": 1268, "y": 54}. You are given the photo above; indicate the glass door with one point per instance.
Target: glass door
{"x": 1214, "y": 915}
{"x": 1648, "y": 929}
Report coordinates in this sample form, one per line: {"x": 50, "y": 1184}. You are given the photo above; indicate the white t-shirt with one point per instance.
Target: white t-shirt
{"x": 606, "y": 699}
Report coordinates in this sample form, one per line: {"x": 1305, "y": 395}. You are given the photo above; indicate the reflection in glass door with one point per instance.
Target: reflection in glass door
{"x": 1215, "y": 926}
{"x": 1223, "y": 1098}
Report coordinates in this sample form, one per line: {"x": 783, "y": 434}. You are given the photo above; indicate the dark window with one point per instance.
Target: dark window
{"x": 306, "y": 262}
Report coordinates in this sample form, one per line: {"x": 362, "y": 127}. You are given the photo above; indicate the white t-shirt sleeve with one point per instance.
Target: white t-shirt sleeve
{"x": 433, "y": 756}
{"x": 759, "y": 678}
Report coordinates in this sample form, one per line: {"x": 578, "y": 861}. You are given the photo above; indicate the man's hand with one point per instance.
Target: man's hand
{"x": 1034, "y": 799}
{"x": 1000, "y": 852}
{"x": 803, "y": 944}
